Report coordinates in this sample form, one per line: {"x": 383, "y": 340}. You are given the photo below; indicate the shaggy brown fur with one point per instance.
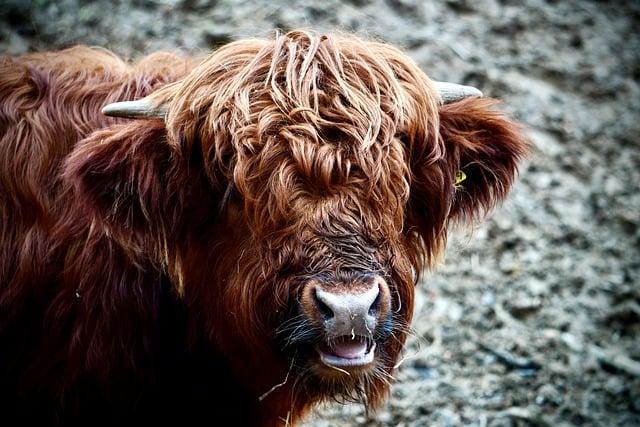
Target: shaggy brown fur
{"x": 152, "y": 269}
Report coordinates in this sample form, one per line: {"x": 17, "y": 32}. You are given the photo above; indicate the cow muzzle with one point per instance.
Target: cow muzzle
{"x": 349, "y": 315}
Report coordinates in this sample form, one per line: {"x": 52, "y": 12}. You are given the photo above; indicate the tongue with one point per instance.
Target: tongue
{"x": 352, "y": 349}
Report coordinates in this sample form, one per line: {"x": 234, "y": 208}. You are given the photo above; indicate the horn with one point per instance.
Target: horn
{"x": 143, "y": 108}
{"x": 451, "y": 92}
{"x": 139, "y": 109}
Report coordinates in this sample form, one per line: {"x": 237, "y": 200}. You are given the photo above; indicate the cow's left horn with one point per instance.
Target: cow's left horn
{"x": 452, "y": 92}
{"x": 139, "y": 109}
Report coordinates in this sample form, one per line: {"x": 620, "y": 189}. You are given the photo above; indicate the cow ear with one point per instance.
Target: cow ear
{"x": 463, "y": 170}
{"x": 125, "y": 179}
{"x": 483, "y": 150}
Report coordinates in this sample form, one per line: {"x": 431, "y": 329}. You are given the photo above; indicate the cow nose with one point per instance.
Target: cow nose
{"x": 352, "y": 310}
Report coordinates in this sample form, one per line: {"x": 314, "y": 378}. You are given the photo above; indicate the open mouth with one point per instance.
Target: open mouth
{"x": 347, "y": 351}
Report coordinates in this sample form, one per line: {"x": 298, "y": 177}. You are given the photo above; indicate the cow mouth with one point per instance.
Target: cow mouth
{"x": 347, "y": 352}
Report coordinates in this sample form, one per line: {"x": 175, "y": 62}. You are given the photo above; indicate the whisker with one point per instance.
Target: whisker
{"x": 339, "y": 369}
{"x": 277, "y": 386}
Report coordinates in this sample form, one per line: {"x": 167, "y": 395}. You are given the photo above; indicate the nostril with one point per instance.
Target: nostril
{"x": 324, "y": 309}
{"x": 375, "y": 306}
{"x": 381, "y": 303}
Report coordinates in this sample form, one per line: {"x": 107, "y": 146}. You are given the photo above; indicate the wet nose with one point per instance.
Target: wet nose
{"x": 352, "y": 310}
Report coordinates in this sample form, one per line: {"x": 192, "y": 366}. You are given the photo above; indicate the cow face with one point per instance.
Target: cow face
{"x": 321, "y": 178}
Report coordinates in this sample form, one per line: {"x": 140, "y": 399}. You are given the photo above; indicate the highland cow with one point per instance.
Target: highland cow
{"x": 234, "y": 238}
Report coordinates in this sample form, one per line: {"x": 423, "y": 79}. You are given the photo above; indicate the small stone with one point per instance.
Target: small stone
{"x": 548, "y": 394}
{"x": 524, "y": 307}
{"x": 488, "y": 298}
{"x": 615, "y": 385}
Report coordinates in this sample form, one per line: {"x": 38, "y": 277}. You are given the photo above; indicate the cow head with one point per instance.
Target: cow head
{"x": 293, "y": 189}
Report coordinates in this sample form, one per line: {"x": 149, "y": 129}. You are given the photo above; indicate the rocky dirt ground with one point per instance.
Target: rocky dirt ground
{"x": 534, "y": 317}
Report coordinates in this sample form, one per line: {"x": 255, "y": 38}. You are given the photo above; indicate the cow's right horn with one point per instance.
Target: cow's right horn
{"x": 452, "y": 92}
{"x": 139, "y": 109}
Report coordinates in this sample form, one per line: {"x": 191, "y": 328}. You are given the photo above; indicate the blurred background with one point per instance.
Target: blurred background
{"x": 534, "y": 317}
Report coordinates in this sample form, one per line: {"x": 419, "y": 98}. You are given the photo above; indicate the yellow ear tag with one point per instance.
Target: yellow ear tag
{"x": 460, "y": 176}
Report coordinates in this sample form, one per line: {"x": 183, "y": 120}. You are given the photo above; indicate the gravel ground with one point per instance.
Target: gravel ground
{"x": 534, "y": 317}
